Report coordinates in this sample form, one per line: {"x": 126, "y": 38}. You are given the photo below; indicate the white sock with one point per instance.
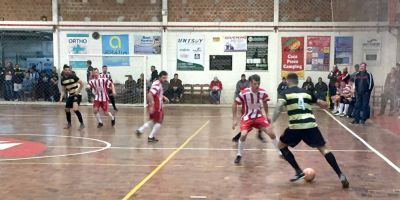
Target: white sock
{"x": 240, "y": 148}
{"x": 341, "y": 105}
{"x": 148, "y": 124}
{"x": 275, "y": 142}
{"x": 98, "y": 118}
{"x": 109, "y": 114}
{"x": 346, "y": 108}
{"x": 155, "y": 129}
{"x": 335, "y": 108}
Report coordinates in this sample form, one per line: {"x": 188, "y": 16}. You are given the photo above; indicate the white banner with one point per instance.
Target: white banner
{"x": 190, "y": 52}
{"x": 77, "y": 43}
{"x": 235, "y": 43}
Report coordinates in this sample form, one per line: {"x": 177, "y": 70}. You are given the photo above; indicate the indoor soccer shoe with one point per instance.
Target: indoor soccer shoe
{"x": 238, "y": 158}
{"x": 152, "y": 139}
{"x": 113, "y": 122}
{"x": 297, "y": 177}
{"x": 345, "y": 182}
{"x": 99, "y": 125}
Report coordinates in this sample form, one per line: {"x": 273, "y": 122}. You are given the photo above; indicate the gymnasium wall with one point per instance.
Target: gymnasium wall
{"x": 270, "y": 78}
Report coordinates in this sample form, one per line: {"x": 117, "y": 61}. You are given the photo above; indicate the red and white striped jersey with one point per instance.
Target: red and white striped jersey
{"x": 158, "y": 94}
{"x": 251, "y": 103}
{"x": 347, "y": 90}
{"x": 100, "y": 88}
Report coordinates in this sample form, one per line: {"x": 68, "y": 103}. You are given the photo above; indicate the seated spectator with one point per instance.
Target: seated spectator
{"x": 389, "y": 92}
{"x": 344, "y": 76}
{"x": 321, "y": 89}
{"x": 308, "y": 85}
{"x": 345, "y": 98}
{"x": 242, "y": 84}
{"x": 335, "y": 99}
{"x": 215, "y": 90}
{"x": 175, "y": 89}
{"x": 282, "y": 86}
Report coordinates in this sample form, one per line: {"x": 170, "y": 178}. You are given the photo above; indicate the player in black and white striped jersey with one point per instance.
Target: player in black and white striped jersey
{"x": 106, "y": 74}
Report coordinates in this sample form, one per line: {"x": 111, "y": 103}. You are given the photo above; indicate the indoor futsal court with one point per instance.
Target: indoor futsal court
{"x": 192, "y": 160}
{"x": 199, "y": 99}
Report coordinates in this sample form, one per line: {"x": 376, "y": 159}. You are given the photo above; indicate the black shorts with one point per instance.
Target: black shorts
{"x": 312, "y": 137}
{"x": 71, "y": 99}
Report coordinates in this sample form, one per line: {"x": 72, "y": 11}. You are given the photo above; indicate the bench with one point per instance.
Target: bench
{"x": 196, "y": 93}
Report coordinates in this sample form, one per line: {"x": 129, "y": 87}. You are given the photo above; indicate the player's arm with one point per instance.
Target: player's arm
{"x": 81, "y": 85}
{"x": 150, "y": 102}
{"x": 234, "y": 115}
{"x": 320, "y": 103}
{"x": 278, "y": 109}
{"x": 265, "y": 105}
{"x": 113, "y": 89}
{"x": 62, "y": 92}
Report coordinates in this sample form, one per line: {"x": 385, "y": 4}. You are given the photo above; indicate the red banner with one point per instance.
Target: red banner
{"x": 292, "y": 56}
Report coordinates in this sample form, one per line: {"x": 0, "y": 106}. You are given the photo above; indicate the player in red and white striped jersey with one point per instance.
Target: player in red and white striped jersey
{"x": 106, "y": 74}
{"x": 251, "y": 99}
{"x": 100, "y": 87}
{"x": 155, "y": 99}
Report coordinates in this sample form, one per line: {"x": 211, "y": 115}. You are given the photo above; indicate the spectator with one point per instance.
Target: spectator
{"x": 344, "y": 76}
{"x": 345, "y": 98}
{"x": 89, "y": 72}
{"x": 389, "y": 92}
{"x": 308, "y": 85}
{"x": 336, "y": 98}
{"x": 165, "y": 85}
{"x": 356, "y": 69}
{"x": 242, "y": 84}
{"x": 9, "y": 73}
{"x": 215, "y": 90}
{"x": 27, "y": 84}
{"x": 176, "y": 89}
{"x": 282, "y": 86}
{"x": 154, "y": 74}
{"x": 54, "y": 90}
{"x": 17, "y": 79}
{"x": 321, "y": 89}
{"x": 2, "y": 81}
{"x": 34, "y": 76}
{"x": 333, "y": 75}
{"x": 130, "y": 89}
{"x": 364, "y": 83}
{"x": 140, "y": 83}
{"x": 43, "y": 87}
{"x": 352, "y": 104}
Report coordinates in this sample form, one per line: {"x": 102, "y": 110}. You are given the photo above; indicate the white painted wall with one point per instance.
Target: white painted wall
{"x": 270, "y": 79}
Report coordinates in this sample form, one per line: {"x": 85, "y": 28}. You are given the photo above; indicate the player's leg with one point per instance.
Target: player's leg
{"x": 96, "y": 105}
{"x": 158, "y": 118}
{"x": 68, "y": 106}
{"x": 291, "y": 138}
{"x": 313, "y": 138}
{"x": 260, "y": 136}
{"x": 104, "y": 107}
{"x": 330, "y": 158}
{"x": 240, "y": 145}
{"x": 237, "y": 137}
{"x": 112, "y": 100}
{"x": 77, "y": 101}
{"x": 341, "y": 106}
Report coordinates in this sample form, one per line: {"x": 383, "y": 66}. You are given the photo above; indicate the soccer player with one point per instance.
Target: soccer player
{"x": 106, "y": 74}
{"x": 302, "y": 127}
{"x": 73, "y": 85}
{"x": 100, "y": 87}
{"x": 252, "y": 117}
{"x": 155, "y": 99}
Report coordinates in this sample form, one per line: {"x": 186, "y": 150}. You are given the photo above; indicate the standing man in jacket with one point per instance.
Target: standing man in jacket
{"x": 364, "y": 83}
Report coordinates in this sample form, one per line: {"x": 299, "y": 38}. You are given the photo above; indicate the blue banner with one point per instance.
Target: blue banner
{"x": 115, "y": 45}
{"x": 344, "y": 50}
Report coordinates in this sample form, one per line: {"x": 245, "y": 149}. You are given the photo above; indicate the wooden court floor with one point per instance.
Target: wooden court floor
{"x": 192, "y": 160}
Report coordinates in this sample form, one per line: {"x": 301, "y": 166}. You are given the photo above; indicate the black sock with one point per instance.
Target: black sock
{"x": 332, "y": 161}
{"x": 68, "y": 114}
{"x": 291, "y": 160}
{"x": 79, "y": 115}
{"x": 237, "y": 136}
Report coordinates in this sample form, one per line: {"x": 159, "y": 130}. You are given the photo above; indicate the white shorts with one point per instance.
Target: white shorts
{"x": 17, "y": 87}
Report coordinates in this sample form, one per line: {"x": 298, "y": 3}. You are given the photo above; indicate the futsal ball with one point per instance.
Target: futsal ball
{"x": 309, "y": 174}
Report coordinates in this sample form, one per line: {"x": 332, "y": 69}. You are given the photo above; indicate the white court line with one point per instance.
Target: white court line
{"x": 83, "y": 164}
{"x": 97, "y": 149}
{"x": 200, "y": 149}
{"x": 365, "y": 143}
